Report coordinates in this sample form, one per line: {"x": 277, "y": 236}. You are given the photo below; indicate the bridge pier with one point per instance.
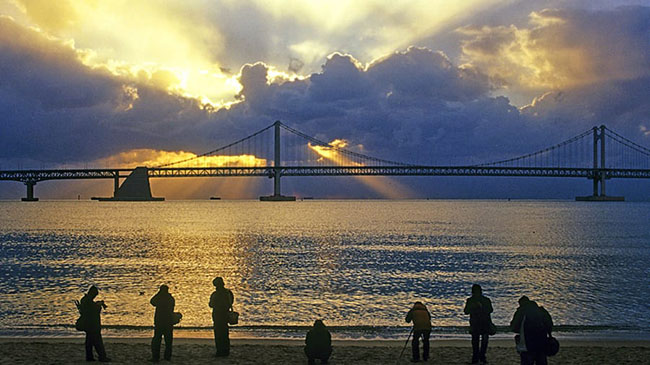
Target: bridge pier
{"x": 277, "y": 172}
{"x": 30, "y": 192}
{"x": 599, "y": 173}
{"x": 135, "y": 188}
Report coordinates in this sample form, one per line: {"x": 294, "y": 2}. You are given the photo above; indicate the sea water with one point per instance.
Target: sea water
{"x": 358, "y": 265}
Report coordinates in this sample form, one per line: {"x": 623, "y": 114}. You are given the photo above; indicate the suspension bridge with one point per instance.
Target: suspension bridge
{"x": 277, "y": 151}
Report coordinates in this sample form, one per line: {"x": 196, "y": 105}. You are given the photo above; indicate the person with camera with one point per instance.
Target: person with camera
{"x": 221, "y": 302}
{"x": 90, "y": 311}
{"x": 163, "y": 322}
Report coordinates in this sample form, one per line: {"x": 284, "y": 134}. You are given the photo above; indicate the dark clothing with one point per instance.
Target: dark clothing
{"x": 318, "y": 344}
{"x": 158, "y": 333}
{"x": 91, "y": 317}
{"x": 164, "y": 303}
{"x": 163, "y": 324}
{"x": 537, "y": 326}
{"x": 421, "y": 328}
{"x": 420, "y": 317}
{"x": 94, "y": 339}
{"x": 415, "y": 344}
{"x": 478, "y": 353}
{"x": 91, "y": 313}
{"x": 221, "y": 302}
{"x": 479, "y": 308}
{"x": 530, "y": 358}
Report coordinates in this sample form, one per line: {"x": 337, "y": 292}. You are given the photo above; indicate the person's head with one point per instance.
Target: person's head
{"x": 92, "y": 291}
{"x": 319, "y": 324}
{"x": 164, "y": 289}
{"x": 477, "y": 290}
{"x": 523, "y": 300}
{"x": 218, "y": 282}
{"x": 418, "y": 305}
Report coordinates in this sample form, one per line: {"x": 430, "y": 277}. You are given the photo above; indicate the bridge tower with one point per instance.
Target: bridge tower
{"x": 599, "y": 173}
{"x": 277, "y": 171}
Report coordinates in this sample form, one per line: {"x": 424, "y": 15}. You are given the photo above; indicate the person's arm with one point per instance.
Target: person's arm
{"x": 488, "y": 307}
{"x": 548, "y": 321}
{"x": 515, "y": 324}
{"x": 466, "y": 310}
{"x": 211, "y": 304}
{"x": 154, "y": 300}
{"x": 409, "y": 316}
{"x": 173, "y": 303}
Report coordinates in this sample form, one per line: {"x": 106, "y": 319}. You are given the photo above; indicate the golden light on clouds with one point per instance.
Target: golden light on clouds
{"x": 152, "y": 158}
{"x": 184, "y": 49}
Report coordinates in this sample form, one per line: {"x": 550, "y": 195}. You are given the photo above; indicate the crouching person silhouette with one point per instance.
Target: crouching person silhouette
{"x": 533, "y": 325}
{"x": 163, "y": 322}
{"x": 90, "y": 311}
{"x": 421, "y": 328}
{"x": 318, "y": 343}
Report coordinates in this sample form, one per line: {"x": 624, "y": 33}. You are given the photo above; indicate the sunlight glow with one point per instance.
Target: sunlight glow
{"x": 152, "y": 158}
{"x": 385, "y": 186}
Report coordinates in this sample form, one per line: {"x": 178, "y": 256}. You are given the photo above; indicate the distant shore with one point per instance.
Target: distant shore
{"x": 48, "y": 350}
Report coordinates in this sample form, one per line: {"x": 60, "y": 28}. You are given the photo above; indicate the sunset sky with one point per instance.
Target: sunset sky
{"x": 94, "y": 82}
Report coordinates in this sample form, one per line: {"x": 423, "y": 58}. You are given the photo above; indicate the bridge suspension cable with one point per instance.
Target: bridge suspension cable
{"x": 534, "y": 155}
{"x": 209, "y": 153}
{"x": 341, "y": 150}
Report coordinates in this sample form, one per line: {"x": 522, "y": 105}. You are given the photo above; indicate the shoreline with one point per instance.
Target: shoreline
{"x": 441, "y": 342}
{"x": 48, "y": 350}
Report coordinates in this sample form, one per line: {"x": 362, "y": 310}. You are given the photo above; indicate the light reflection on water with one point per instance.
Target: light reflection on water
{"x": 352, "y": 263}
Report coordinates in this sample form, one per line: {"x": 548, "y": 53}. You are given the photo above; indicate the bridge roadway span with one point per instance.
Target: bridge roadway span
{"x": 166, "y": 172}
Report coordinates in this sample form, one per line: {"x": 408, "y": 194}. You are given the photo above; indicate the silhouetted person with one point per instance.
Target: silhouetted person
{"x": 91, "y": 317}
{"x": 533, "y": 324}
{"x": 479, "y": 308}
{"x": 421, "y": 328}
{"x": 318, "y": 343}
{"x": 221, "y": 302}
{"x": 163, "y": 322}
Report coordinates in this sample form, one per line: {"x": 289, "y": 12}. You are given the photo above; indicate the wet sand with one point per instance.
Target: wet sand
{"x": 201, "y": 351}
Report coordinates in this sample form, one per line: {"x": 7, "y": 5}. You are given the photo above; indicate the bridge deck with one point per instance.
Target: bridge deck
{"x": 167, "y": 172}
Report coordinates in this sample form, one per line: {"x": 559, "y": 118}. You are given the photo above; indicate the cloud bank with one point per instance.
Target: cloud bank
{"x": 581, "y": 68}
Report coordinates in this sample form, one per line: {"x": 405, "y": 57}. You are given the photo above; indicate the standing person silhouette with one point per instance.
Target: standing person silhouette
{"x": 163, "y": 323}
{"x": 479, "y": 308}
{"x": 534, "y": 325}
{"x": 91, "y": 317}
{"x": 221, "y": 302}
{"x": 421, "y": 328}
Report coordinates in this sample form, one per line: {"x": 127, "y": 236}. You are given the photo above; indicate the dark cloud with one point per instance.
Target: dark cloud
{"x": 414, "y": 106}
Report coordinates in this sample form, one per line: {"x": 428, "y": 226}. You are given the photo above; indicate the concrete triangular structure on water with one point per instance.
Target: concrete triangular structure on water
{"x": 135, "y": 188}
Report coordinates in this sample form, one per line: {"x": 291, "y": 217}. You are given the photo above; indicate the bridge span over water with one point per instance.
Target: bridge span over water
{"x": 567, "y": 159}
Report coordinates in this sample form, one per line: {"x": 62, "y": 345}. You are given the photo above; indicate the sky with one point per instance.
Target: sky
{"x": 91, "y": 83}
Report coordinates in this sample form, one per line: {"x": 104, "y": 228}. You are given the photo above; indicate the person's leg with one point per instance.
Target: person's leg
{"x": 99, "y": 346}
{"x": 89, "y": 347}
{"x": 216, "y": 337}
{"x": 223, "y": 341}
{"x": 169, "y": 339}
{"x": 484, "y": 346}
{"x": 526, "y": 358}
{"x": 155, "y": 343}
{"x": 415, "y": 344}
{"x": 475, "y": 353}
{"x": 540, "y": 358}
{"x": 425, "y": 345}
{"x": 310, "y": 357}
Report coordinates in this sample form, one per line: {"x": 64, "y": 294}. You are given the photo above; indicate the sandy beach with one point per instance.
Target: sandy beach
{"x": 201, "y": 351}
